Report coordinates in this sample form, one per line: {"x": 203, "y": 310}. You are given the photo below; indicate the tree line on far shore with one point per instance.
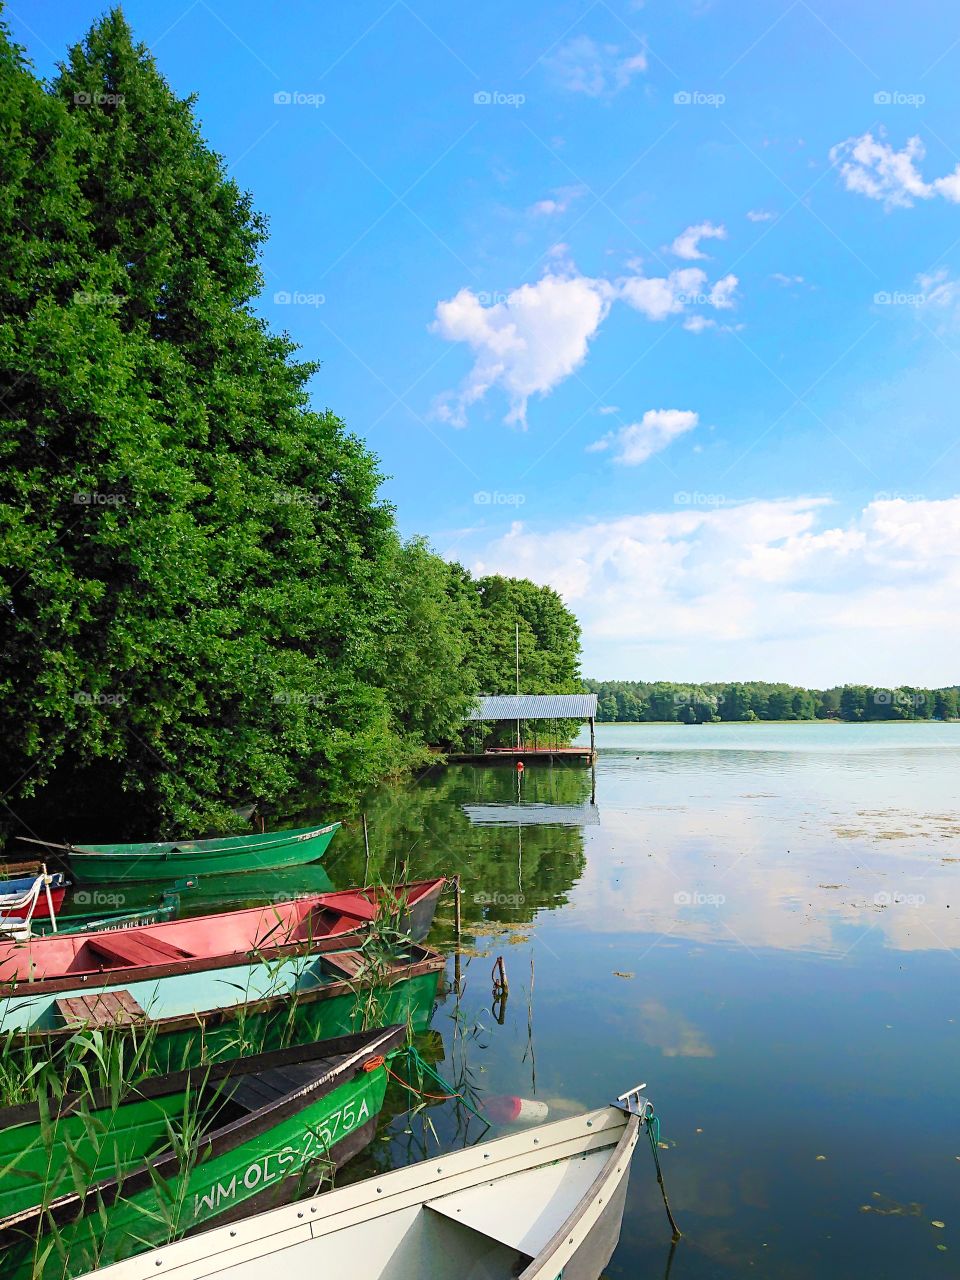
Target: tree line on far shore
{"x": 745, "y": 701}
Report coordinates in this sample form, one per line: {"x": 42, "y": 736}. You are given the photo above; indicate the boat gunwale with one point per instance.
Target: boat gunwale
{"x": 546, "y": 1258}
{"x": 425, "y": 960}
{"x": 351, "y": 939}
{"x": 230, "y": 1136}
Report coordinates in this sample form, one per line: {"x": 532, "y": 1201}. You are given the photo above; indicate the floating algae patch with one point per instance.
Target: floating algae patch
{"x": 888, "y": 1208}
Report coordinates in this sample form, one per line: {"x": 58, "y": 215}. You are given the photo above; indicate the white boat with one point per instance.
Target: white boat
{"x": 529, "y": 1206}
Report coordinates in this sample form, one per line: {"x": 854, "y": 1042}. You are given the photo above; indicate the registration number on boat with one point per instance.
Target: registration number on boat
{"x": 315, "y": 1142}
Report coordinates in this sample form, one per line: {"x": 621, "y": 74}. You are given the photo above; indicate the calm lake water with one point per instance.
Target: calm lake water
{"x": 762, "y": 923}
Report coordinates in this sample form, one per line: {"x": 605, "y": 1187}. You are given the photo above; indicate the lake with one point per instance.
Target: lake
{"x": 763, "y": 923}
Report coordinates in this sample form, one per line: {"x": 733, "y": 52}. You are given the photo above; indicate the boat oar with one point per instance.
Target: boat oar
{"x": 47, "y": 844}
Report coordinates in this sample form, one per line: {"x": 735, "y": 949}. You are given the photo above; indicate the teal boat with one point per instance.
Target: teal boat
{"x": 207, "y": 1015}
{"x": 120, "y": 863}
{"x": 93, "y": 1179}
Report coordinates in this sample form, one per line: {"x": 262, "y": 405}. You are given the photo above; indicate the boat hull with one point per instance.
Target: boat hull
{"x": 279, "y": 1153}
{"x": 538, "y": 1205}
{"x": 112, "y": 864}
{"x": 202, "y": 1018}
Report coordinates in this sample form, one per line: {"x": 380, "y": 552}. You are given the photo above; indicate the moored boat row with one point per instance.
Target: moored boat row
{"x": 264, "y": 1037}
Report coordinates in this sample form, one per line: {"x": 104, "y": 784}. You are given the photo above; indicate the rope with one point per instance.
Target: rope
{"x": 653, "y": 1133}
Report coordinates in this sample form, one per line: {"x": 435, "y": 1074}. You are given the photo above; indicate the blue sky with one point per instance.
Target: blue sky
{"x": 655, "y": 302}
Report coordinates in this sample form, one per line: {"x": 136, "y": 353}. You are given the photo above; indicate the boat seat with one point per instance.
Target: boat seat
{"x": 261, "y": 1088}
{"x": 136, "y": 951}
{"x": 344, "y": 964}
{"x": 104, "y": 1009}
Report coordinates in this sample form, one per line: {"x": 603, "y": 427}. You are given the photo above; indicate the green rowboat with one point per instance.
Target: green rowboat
{"x": 95, "y": 1180}
{"x": 114, "y": 863}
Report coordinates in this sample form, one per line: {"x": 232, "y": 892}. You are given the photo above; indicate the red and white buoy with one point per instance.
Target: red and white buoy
{"x": 507, "y": 1108}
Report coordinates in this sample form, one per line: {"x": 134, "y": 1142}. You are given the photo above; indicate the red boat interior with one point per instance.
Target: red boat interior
{"x": 207, "y": 937}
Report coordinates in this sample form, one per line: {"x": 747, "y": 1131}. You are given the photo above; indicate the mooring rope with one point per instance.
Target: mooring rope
{"x": 653, "y": 1133}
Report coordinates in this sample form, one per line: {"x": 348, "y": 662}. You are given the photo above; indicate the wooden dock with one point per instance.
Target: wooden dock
{"x": 525, "y": 755}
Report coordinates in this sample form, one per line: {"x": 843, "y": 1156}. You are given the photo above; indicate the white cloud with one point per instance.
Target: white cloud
{"x": 938, "y": 289}
{"x": 559, "y": 202}
{"x": 639, "y": 441}
{"x": 759, "y": 589}
{"x": 699, "y": 324}
{"x": 597, "y": 70}
{"x": 780, "y": 278}
{"x": 875, "y": 169}
{"x": 525, "y": 344}
{"x": 721, "y": 295}
{"x": 539, "y": 334}
{"x": 687, "y": 243}
{"x": 760, "y": 215}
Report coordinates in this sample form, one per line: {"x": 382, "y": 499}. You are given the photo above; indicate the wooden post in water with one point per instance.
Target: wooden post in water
{"x": 593, "y": 740}
{"x": 366, "y": 846}
{"x": 456, "y": 930}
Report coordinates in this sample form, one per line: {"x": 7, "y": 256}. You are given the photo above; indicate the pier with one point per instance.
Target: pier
{"x": 524, "y": 707}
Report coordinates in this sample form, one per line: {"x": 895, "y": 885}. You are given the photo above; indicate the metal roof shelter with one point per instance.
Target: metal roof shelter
{"x": 535, "y": 706}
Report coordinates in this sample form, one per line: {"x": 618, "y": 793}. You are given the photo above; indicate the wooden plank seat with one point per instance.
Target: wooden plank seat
{"x": 344, "y": 964}
{"x": 141, "y": 950}
{"x": 102, "y": 1009}
{"x": 255, "y": 1091}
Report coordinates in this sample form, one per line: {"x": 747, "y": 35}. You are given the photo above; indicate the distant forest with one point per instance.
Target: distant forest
{"x": 757, "y": 700}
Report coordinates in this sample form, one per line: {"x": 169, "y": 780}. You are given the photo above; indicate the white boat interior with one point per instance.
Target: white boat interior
{"x": 527, "y": 1205}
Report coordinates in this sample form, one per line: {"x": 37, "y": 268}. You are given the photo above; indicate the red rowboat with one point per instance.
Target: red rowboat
{"x": 323, "y": 921}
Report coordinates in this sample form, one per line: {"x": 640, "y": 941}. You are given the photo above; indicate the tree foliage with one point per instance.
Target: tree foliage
{"x": 203, "y": 595}
{"x": 639, "y": 700}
